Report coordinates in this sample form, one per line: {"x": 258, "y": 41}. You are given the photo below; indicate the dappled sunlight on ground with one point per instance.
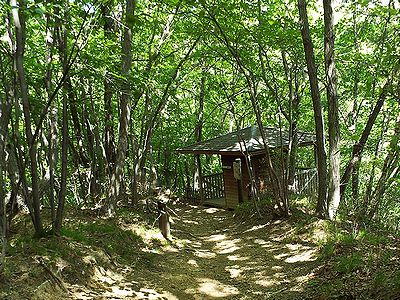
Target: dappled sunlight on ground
{"x": 228, "y": 246}
{"x": 211, "y": 255}
{"x": 216, "y": 238}
{"x": 211, "y": 210}
{"x": 190, "y": 222}
{"x": 205, "y": 254}
{"x": 308, "y": 255}
{"x": 255, "y": 227}
{"x": 238, "y": 257}
{"x": 234, "y": 271}
{"x": 213, "y": 289}
{"x": 225, "y": 259}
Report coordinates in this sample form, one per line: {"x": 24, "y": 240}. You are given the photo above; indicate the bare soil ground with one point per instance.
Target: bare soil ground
{"x": 212, "y": 255}
{"x": 219, "y": 257}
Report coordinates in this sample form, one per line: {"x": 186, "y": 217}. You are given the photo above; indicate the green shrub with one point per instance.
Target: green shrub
{"x": 347, "y": 240}
{"x": 348, "y": 264}
{"x": 371, "y": 238}
{"x": 328, "y": 250}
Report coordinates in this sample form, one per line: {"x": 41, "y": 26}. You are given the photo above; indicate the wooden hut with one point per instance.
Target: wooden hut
{"x": 242, "y": 153}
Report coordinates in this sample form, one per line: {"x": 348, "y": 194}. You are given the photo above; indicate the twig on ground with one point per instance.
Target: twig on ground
{"x": 54, "y": 276}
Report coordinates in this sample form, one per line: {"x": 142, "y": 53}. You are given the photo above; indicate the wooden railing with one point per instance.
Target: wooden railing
{"x": 305, "y": 182}
{"x": 213, "y": 186}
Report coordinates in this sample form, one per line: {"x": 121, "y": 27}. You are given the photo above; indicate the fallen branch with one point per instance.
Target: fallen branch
{"x": 54, "y": 276}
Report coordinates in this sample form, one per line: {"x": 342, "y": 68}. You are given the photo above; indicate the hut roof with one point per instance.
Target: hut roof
{"x": 247, "y": 140}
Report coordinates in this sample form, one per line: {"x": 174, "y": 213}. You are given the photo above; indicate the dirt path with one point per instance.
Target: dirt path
{"x": 211, "y": 257}
{"x": 217, "y": 258}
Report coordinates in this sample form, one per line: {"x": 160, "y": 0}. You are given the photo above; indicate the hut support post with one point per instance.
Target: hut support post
{"x": 200, "y": 178}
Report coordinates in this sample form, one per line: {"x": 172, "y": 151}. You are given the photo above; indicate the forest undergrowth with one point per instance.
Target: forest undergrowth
{"x": 213, "y": 254}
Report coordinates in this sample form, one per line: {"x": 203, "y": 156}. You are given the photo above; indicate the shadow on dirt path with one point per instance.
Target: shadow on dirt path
{"x": 214, "y": 257}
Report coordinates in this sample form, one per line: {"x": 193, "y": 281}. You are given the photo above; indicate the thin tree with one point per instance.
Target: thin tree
{"x": 358, "y": 147}
{"x": 18, "y": 16}
{"x": 108, "y": 91}
{"x": 280, "y": 193}
{"x": 333, "y": 111}
{"x": 322, "y": 206}
{"x": 4, "y": 120}
{"x": 126, "y": 58}
{"x": 197, "y": 178}
{"x": 64, "y": 144}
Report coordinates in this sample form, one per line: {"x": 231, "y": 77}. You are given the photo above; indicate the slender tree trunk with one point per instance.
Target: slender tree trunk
{"x": 333, "y": 112}
{"x": 359, "y": 146}
{"x": 390, "y": 170}
{"x": 19, "y": 22}
{"x": 72, "y": 104}
{"x": 322, "y": 206}
{"x": 3, "y": 213}
{"x": 52, "y": 159}
{"x": 109, "y": 143}
{"x": 4, "y": 120}
{"x": 197, "y": 178}
{"x": 152, "y": 122}
{"x": 98, "y": 165}
{"x": 64, "y": 144}
{"x": 116, "y": 177}
{"x": 52, "y": 133}
{"x": 294, "y": 99}
{"x": 279, "y": 192}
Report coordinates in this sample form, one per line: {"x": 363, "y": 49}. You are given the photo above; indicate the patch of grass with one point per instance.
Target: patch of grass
{"x": 110, "y": 237}
{"x": 243, "y": 208}
{"x": 387, "y": 256}
{"x": 314, "y": 282}
{"x": 346, "y": 240}
{"x": 74, "y": 234}
{"x": 395, "y": 280}
{"x": 328, "y": 250}
{"x": 380, "y": 280}
{"x": 303, "y": 201}
{"x": 336, "y": 243}
{"x": 331, "y": 289}
{"x": 349, "y": 263}
{"x": 51, "y": 246}
{"x": 372, "y": 238}
{"x": 303, "y": 222}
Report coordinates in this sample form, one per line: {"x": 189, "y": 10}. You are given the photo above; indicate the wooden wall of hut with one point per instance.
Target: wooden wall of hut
{"x": 231, "y": 184}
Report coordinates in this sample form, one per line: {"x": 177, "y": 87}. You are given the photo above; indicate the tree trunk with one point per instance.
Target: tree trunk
{"x": 72, "y": 104}
{"x": 390, "y": 170}
{"x": 153, "y": 119}
{"x": 359, "y": 146}
{"x": 4, "y": 120}
{"x": 19, "y": 22}
{"x": 109, "y": 143}
{"x": 294, "y": 101}
{"x": 322, "y": 206}
{"x": 64, "y": 145}
{"x": 3, "y": 213}
{"x": 52, "y": 120}
{"x": 116, "y": 177}
{"x": 280, "y": 194}
{"x": 197, "y": 178}
{"x": 333, "y": 112}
